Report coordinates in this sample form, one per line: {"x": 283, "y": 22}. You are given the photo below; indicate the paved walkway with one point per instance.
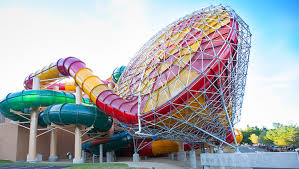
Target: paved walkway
{"x": 251, "y": 149}
{"x": 158, "y": 163}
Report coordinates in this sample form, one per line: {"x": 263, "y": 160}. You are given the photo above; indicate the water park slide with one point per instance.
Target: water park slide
{"x": 60, "y": 111}
{"x": 125, "y": 109}
{"x": 185, "y": 65}
{"x": 123, "y": 139}
{"x": 109, "y": 143}
{"x": 62, "y": 114}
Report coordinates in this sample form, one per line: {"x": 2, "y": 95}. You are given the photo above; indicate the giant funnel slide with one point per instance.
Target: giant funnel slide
{"x": 189, "y": 59}
{"x": 125, "y": 109}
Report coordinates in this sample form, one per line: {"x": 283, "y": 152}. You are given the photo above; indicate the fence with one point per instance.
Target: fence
{"x": 254, "y": 160}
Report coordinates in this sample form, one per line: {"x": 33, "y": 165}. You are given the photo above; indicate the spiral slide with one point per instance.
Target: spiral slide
{"x": 61, "y": 109}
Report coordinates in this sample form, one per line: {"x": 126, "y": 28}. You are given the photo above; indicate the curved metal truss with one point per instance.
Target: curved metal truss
{"x": 195, "y": 69}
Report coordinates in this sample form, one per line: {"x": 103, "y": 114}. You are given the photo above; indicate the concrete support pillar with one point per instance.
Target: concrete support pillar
{"x": 221, "y": 152}
{"x": 211, "y": 149}
{"x": 192, "y": 156}
{"x": 78, "y": 134}
{"x": 109, "y": 157}
{"x": 31, "y": 157}
{"x": 101, "y": 153}
{"x": 53, "y": 146}
{"x": 181, "y": 154}
{"x": 84, "y": 155}
{"x": 78, "y": 156}
{"x": 171, "y": 156}
{"x": 136, "y": 157}
{"x": 202, "y": 147}
{"x": 53, "y": 140}
{"x": 181, "y": 147}
{"x": 78, "y": 95}
{"x": 93, "y": 157}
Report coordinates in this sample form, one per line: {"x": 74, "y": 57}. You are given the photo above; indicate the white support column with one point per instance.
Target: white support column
{"x": 101, "y": 153}
{"x": 192, "y": 156}
{"x": 171, "y": 156}
{"x": 53, "y": 146}
{"x": 111, "y": 155}
{"x": 78, "y": 95}
{"x": 53, "y": 140}
{"x": 93, "y": 157}
{"x": 78, "y": 134}
{"x": 84, "y": 155}
{"x": 78, "y": 156}
{"x": 220, "y": 151}
{"x": 136, "y": 157}
{"x": 211, "y": 148}
{"x": 181, "y": 154}
{"x": 31, "y": 157}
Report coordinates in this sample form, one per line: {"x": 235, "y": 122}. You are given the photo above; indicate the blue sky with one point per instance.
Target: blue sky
{"x": 106, "y": 34}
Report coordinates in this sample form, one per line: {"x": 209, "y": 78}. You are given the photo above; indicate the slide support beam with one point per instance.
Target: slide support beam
{"x": 101, "y": 153}
{"x": 78, "y": 134}
{"x": 53, "y": 140}
{"x": 31, "y": 157}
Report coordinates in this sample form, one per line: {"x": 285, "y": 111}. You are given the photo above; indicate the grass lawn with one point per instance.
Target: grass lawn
{"x": 5, "y": 161}
{"x": 77, "y": 166}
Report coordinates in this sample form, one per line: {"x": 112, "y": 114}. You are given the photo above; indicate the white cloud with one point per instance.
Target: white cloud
{"x": 271, "y": 91}
{"x": 31, "y": 39}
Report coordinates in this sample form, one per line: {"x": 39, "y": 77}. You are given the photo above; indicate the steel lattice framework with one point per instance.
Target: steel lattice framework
{"x": 190, "y": 78}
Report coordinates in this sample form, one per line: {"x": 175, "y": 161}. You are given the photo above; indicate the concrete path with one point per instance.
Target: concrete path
{"x": 251, "y": 149}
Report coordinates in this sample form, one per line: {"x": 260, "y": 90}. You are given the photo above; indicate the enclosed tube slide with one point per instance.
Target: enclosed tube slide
{"x": 60, "y": 110}
{"x": 67, "y": 113}
{"x": 67, "y": 86}
{"x": 123, "y": 138}
{"x": 110, "y": 143}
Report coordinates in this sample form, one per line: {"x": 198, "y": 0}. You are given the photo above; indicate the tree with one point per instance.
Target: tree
{"x": 296, "y": 140}
{"x": 254, "y": 138}
{"x": 262, "y": 138}
{"x": 249, "y": 131}
{"x": 283, "y": 135}
{"x": 276, "y": 125}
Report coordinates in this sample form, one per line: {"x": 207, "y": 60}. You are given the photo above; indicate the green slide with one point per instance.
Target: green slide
{"x": 60, "y": 109}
